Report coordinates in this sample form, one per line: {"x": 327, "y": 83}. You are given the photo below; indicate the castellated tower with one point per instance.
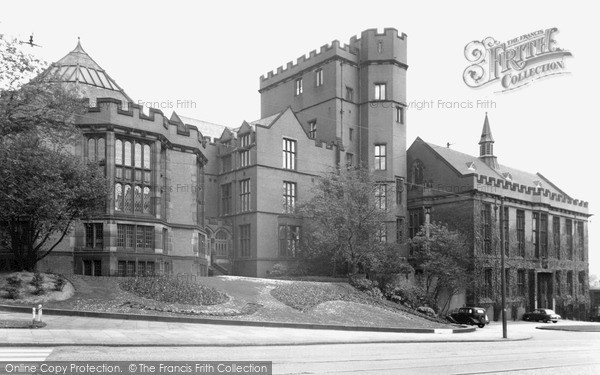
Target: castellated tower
{"x": 353, "y": 96}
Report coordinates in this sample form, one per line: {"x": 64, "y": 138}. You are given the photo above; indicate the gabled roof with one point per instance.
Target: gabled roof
{"x": 93, "y": 81}
{"x": 267, "y": 121}
{"x": 466, "y": 164}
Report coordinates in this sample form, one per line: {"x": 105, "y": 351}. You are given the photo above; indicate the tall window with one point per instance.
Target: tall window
{"x": 380, "y": 91}
{"x": 289, "y": 154}
{"x": 349, "y": 160}
{"x": 488, "y": 286}
{"x": 380, "y": 157}
{"x": 521, "y": 282}
{"x": 245, "y": 195}
{"x": 96, "y": 149}
{"x": 312, "y": 129}
{"x": 486, "y": 227}
{"x": 557, "y": 285}
{"x": 289, "y": 240}
{"x": 505, "y": 225}
{"x": 94, "y": 237}
{"x": 381, "y": 196}
{"x": 382, "y": 233}
{"x": 556, "y": 235}
{"x": 521, "y": 233}
{"x": 399, "y": 190}
{"x": 399, "y": 230}
{"x": 319, "y": 77}
{"x": 400, "y": 115}
{"x": 535, "y": 233}
{"x": 244, "y": 152}
{"x": 544, "y": 235}
{"x": 135, "y": 237}
{"x": 569, "y": 282}
{"x": 569, "y": 238}
{"x": 298, "y": 86}
{"x": 416, "y": 220}
{"x": 222, "y": 244}
{"x": 226, "y": 199}
{"x": 289, "y": 196}
{"x": 133, "y": 176}
{"x": 417, "y": 172}
{"x": 351, "y": 134}
{"x": 245, "y": 240}
{"x": 349, "y": 94}
{"x": 226, "y": 164}
{"x": 245, "y": 140}
{"x": 580, "y": 240}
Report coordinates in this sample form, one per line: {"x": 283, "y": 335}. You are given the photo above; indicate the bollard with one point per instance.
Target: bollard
{"x": 39, "y": 315}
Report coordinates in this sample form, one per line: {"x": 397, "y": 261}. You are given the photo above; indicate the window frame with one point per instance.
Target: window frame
{"x": 380, "y": 93}
{"x": 290, "y": 153}
{"x": 298, "y": 89}
{"x": 380, "y": 161}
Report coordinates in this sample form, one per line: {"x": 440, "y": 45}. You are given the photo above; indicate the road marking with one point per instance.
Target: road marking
{"x": 24, "y": 354}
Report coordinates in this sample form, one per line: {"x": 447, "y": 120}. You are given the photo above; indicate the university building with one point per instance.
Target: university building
{"x": 545, "y": 230}
{"x": 191, "y": 197}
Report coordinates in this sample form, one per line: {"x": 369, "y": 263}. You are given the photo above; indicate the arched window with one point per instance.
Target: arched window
{"x": 128, "y": 199}
{"x": 91, "y": 149}
{"x": 146, "y": 157}
{"x": 146, "y": 200}
{"x": 119, "y": 152}
{"x": 138, "y": 155}
{"x": 118, "y": 197}
{"x": 417, "y": 172}
{"x": 101, "y": 149}
{"x": 138, "y": 198}
{"x": 128, "y": 153}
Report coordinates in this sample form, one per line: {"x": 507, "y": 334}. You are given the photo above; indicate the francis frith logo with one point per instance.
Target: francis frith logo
{"x": 514, "y": 63}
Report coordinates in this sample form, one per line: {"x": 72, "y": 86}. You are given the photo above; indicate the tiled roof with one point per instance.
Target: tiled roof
{"x": 468, "y": 164}
{"x": 208, "y": 129}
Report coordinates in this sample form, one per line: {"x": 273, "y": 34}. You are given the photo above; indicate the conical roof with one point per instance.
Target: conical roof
{"x": 486, "y": 133}
{"x": 93, "y": 81}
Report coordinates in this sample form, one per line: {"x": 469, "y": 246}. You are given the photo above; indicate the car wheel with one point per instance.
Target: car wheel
{"x": 555, "y": 321}
{"x": 480, "y": 325}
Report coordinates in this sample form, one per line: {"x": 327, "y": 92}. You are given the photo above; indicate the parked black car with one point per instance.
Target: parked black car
{"x": 545, "y": 315}
{"x": 470, "y": 316}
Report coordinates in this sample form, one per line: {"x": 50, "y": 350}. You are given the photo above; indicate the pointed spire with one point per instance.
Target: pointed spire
{"x": 486, "y": 133}
{"x": 486, "y": 145}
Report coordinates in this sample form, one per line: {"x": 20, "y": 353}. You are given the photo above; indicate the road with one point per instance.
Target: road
{"x": 548, "y": 352}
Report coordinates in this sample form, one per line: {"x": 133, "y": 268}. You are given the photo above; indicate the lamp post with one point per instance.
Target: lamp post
{"x": 503, "y": 273}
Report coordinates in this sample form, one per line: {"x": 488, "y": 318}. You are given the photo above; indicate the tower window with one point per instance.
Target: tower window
{"x": 380, "y": 157}
{"x": 319, "y": 77}
{"x": 380, "y": 47}
{"x": 312, "y": 132}
{"x": 349, "y": 94}
{"x": 400, "y": 115}
{"x": 298, "y": 86}
{"x": 380, "y": 91}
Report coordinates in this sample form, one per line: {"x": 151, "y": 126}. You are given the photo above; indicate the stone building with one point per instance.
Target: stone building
{"x": 545, "y": 241}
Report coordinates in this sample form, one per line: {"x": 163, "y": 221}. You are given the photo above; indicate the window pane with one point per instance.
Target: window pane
{"x": 118, "y": 197}
{"x": 91, "y": 149}
{"x": 101, "y": 149}
{"x": 128, "y": 199}
{"x": 128, "y": 153}
{"x": 138, "y": 155}
{"x": 118, "y": 152}
{"x": 146, "y": 200}
{"x": 146, "y": 157}
{"x": 138, "y": 199}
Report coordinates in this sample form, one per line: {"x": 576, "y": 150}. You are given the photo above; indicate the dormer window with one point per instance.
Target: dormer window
{"x": 471, "y": 166}
{"x": 507, "y": 176}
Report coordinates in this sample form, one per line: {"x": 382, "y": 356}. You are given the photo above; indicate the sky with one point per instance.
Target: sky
{"x": 204, "y": 60}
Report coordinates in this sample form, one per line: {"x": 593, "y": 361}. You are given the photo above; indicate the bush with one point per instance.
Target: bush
{"x": 278, "y": 270}
{"x": 13, "y": 293}
{"x": 38, "y": 282}
{"x": 370, "y": 287}
{"x": 14, "y": 281}
{"x": 59, "y": 283}
{"x": 405, "y": 293}
{"x": 173, "y": 290}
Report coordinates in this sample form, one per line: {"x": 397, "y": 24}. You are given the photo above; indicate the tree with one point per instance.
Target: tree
{"x": 443, "y": 258}
{"x": 45, "y": 187}
{"x": 343, "y": 220}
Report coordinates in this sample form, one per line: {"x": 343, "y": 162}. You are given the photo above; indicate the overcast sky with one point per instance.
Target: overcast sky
{"x": 204, "y": 61}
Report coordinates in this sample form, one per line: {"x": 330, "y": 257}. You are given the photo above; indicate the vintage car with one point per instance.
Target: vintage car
{"x": 470, "y": 316}
{"x": 545, "y": 315}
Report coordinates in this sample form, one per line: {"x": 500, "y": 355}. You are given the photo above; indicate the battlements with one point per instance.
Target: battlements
{"x": 483, "y": 181}
{"x": 388, "y": 32}
{"x": 110, "y": 111}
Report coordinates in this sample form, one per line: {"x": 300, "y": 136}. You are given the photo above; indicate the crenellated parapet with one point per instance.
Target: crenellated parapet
{"x": 487, "y": 183}
{"x": 109, "y": 114}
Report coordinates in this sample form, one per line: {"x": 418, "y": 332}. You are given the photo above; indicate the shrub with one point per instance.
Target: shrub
{"x": 59, "y": 283}
{"x": 13, "y": 281}
{"x": 13, "y": 293}
{"x": 173, "y": 290}
{"x": 367, "y": 286}
{"x": 426, "y": 310}
{"x": 406, "y": 293}
{"x": 38, "y": 282}
{"x": 278, "y": 270}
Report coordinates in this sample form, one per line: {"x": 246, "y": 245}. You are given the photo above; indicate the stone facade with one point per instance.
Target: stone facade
{"x": 545, "y": 230}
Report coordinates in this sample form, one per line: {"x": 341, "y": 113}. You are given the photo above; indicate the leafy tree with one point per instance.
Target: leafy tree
{"x": 45, "y": 187}
{"x": 343, "y": 219}
{"x": 443, "y": 257}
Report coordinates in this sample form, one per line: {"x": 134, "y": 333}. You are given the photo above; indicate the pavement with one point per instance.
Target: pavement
{"x": 69, "y": 330}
